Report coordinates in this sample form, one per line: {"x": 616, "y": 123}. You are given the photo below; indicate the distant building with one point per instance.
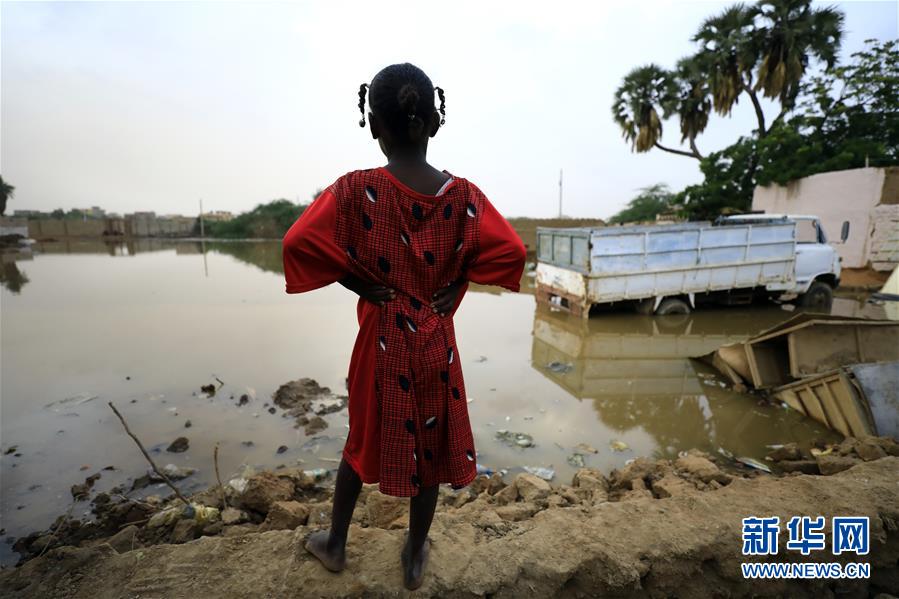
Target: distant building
{"x": 218, "y": 216}
{"x": 30, "y": 214}
{"x": 94, "y": 212}
{"x": 868, "y": 198}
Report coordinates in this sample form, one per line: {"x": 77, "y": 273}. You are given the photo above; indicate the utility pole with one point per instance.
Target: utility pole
{"x": 202, "y": 231}
{"x": 560, "y": 193}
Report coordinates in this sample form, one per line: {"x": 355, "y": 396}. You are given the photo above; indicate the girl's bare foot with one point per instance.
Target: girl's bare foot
{"x": 414, "y": 565}
{"x": 334, "y": 559}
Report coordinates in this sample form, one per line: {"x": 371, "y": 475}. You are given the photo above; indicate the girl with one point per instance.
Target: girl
{"x": 407, "y": 238}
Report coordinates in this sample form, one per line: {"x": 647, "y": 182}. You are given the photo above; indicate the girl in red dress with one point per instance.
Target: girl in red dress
{"x": 406, "y": 238}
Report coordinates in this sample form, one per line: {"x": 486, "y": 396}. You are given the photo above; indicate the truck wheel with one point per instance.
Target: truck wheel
{"x": 673, "y": 305}
{"x": 818, "y": 297}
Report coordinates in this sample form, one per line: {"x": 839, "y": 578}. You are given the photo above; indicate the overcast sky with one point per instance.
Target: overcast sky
{"x": 150, "y": 106}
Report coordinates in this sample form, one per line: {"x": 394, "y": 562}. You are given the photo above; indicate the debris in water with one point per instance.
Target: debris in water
{"x": 272, "y": 410}
{"x": 244, "y": 400}
{"x": 725, "y": 453}
{"x": 517, "y": 439}
{"x": 481, "y": 359}
{"x": 208, "y": 389}
{"x": 754, "y": 464}
{"x": 247, "y": 443}
{"x": 560, "y": 367}
{"x": 469, "y": 399}
{"x": 576, "y": 460}
{"x": 619, "y": 446}
{"x": 282, "y": 449}
{"x": 188, "y": 424}
{"x": 12, "y": 449}
{"x": 484, "y": 470}
{"x": 586, "y": 448}
{"x": 820, "y": 452}
{"x": 540, "y": 472}
{"x": 179, "y": 445}
{"x": 74, "y": 400}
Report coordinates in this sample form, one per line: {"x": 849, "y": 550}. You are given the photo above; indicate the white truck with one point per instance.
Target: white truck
{"x": 671, "y": 269}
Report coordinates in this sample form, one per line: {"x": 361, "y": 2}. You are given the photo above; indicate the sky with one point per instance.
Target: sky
{"x": 154, "y": 105}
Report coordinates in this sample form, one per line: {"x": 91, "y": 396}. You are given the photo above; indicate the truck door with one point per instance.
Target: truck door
{"x": 813, "y": 255}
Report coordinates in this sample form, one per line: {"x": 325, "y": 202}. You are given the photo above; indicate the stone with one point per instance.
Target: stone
{"x": 515, "y": 512}
{"x": 185, "y": 530}
{"x": 125, "y": 540}
{"x": 286, "y": 515}
{"x": 671, "y": 485}
{"x": 239, "y": 529}
{"x": 263, "y": 490}
{"x": 232, "y": 516}
{"x": 587, "y": 478}
{"x": 640, "y": 469}
{"x": 319, "y": 514}
{"x": 507, "y": 495}
{"x": 464, "y": 496}
{"x": 213, "y": 529}
{"x": 495, "y": 484}
{"x": 701, "y": 468}
{"x": 831, "y": 464}
{"x": 384, "y": 510}
{"x": 802, "y": 466}
{"x": 869, "y": 451}
{"x": 789, "y": 451}
{"x": 532, "y": 488}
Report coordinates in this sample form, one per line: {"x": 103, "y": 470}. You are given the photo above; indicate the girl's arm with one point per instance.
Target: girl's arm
{"x": 502, "y": 254}
{"x": 311, "y": 256}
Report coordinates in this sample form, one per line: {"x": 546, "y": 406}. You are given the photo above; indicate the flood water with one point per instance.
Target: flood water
{"x": 144, "y": 325}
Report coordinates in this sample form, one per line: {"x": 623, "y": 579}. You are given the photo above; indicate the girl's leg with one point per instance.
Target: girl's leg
{"x": 330, "y": 546}
{"x": 415, "y": 553}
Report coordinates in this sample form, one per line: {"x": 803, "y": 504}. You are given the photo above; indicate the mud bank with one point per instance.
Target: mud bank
{"x": 652, "y": 529}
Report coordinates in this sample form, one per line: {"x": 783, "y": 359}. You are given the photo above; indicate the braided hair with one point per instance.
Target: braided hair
{"x": 403, "y": 98}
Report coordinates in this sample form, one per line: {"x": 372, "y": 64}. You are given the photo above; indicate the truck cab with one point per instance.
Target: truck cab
{"x": 817, "y": 266}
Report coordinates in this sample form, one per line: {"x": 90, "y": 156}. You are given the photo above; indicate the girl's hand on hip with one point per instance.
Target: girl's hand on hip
{"x": 373, "y": 292}
{"x": 445, "y": 298}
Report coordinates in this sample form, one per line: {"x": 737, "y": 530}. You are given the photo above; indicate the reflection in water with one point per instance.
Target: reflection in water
{"x": 637, "y": 372}
{"x": 11, "y": 277}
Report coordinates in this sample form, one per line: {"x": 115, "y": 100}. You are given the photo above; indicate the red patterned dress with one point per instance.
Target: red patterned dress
{"x": 408, "y": 413}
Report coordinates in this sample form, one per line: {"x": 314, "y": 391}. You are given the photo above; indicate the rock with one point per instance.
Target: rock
{"x": 671, "y": 485}
{"x": 641, "y": 469}
{"x": 298, "y": 394}
{"x": 320, "y": 514}
{"x": 41, "y": 543}
{"x": 185, "y": 530}
{"x": 464, "y": 496}
{"x": 80, "y": 492}
{"x": 187, "y": 424}
{"x": 701, "y": 468}
{"x": 507, "y": 495}
{"x": 172, "y": 471}
{"x": 179, "y": 445}
{"x": 790, "y": 451}
{"x": 315, "y": 425}
{"x": 831, "y": 464}
{"x": 588, "y": 478}
{"x": 598, "y": 496}
{"x": 556, "y": 501}
{"x": 495, "y": 484}
{"x": 384, "y": 510}
{"x": 263, "y": 490}
{"x": 213, "y": 529}
{"x": 517, "y": 512}
{"x": 869, "y": 451}
{"x": 803, "y": 466}
{"x": 239, "y": 529}
{"x": 286, "y": 515}
{"x": 125, "y": 540}
{"x": 532, "y": 488}
{"x": 232, "y": 516}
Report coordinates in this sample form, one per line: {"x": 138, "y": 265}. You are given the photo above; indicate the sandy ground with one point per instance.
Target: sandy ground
{"x": 653, "y": 529}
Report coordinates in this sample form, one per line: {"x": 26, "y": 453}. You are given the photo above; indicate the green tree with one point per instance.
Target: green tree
{"x": 269, "y": 221}
{"x": 651, "y": 201}
{"x": 745, "y": 49}
{"x": 7, "y": 192}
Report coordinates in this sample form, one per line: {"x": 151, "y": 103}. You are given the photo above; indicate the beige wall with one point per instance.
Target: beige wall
{"x": 839, "y": 196}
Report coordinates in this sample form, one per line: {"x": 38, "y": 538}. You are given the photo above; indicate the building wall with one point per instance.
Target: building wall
{"x": 836, "y": 197}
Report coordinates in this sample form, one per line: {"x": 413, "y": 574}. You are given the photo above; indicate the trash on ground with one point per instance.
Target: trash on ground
{"x": 619, "y": 446}
{"x": 586, "y": 448}
{"x": 540, "y": 472}
{"x": 172, "y": 472}
{"x": 752, "y": 463}
{"x": 576, "y": 460}
{"x": 515, "y": 439}
{"x": 560, "y": 367}
{"x": 318, "y": 473}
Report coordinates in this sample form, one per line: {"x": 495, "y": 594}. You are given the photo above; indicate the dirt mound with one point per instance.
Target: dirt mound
{"x": 526, "y": 539}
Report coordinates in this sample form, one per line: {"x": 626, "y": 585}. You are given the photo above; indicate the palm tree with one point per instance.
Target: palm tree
{"x": 794, "y": 33}
{"x": 646, "y": 97}
{"x": 693, "y": 103}
{"x": 728, "y": 54}
{"x": 7, "y": 192}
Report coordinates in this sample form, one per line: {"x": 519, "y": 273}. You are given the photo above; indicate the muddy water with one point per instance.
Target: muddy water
{"x": 145, "y": 325}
